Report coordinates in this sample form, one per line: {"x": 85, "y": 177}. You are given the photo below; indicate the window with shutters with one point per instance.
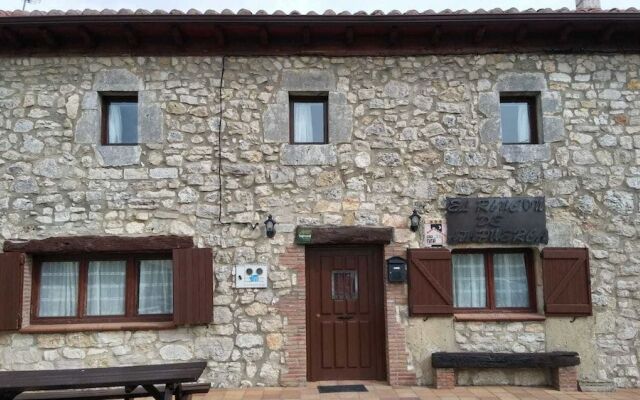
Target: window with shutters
{"x": 102, "y": 288}
{"x": 493, "y": 280}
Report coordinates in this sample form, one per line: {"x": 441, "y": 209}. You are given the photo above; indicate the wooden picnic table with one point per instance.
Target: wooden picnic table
{"x": 13, "y": 383}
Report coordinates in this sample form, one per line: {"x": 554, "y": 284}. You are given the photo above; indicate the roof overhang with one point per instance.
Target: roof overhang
{"x": 335, "y": 35}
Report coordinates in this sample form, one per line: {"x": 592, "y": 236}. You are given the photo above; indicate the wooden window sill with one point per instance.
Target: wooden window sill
{"x": 487, "y": 317}
{"x": 106, "y": 326}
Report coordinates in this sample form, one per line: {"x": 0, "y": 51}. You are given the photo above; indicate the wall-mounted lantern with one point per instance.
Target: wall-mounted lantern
{"x": 270, "y": 226}
{"x": 415, "y": 220}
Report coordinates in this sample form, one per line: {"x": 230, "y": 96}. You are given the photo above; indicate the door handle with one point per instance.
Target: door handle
{"x": 345, "y": 317}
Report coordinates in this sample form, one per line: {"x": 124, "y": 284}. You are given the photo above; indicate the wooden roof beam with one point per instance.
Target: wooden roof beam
{"x": 566, "y": 32}
{"x": 521, "y": 33}
{"x": 177, "y": 35}
{"x": 130, "y": 35}
{"x": 479, "y": 34}
{"x": 263, "y": 34}
{"x": 349, "y": 36}
{"x": 11, "y": 37}
{"x": 47, "y": 36}
{"x": 306, "y": 35}
{"x": 436, "y": 35}
{"x": 87, "y": 38}
{"x": 218, "y": 36}
{"x": 394, "y": 36}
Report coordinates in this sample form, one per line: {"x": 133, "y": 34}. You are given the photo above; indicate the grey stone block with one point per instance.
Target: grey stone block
{"x": 88, "y": 127}
{"x": 552, "y": 129}
{"x": 90, "y": 101}
{"x": 340, "y": 118}
{"x": 308, "y": 154}
{"x": 311, "y": 80}
{"x": 150, "y": 123}
{"x": 521, "y": 82}
{"x": 117, "y": 80}
{"x": 560, "y": 235}
{"x": 275, "y": 123}
{"x": 489, "y": 104}
{"x": 116, "y": 156}
{"x": 490, "y": 131}
{"x": 522, "y": 153}
{"x": 550, "y": 102}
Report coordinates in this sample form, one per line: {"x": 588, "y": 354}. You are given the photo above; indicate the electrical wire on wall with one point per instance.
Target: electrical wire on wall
{"x": 220, "y": 183}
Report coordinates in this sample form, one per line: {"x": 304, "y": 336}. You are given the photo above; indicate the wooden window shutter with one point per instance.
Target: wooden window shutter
{"x": 11, "y": 275}
{"x": 430, "y": 282}
{"x": 566, "y": 280}
{"x": 192, "y": 286}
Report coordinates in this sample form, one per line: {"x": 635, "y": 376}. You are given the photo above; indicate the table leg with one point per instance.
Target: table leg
{"x": 155, "y": 393}
{"x": 168, "y": 391}
{"x": 129, "y": 389}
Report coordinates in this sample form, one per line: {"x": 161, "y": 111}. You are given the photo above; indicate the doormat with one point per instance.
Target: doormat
{"x": 342, "y": 388}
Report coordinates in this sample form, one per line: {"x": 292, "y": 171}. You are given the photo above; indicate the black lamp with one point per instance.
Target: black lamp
{"x": 270, "y": 226}
{"x": 415, "y": 220}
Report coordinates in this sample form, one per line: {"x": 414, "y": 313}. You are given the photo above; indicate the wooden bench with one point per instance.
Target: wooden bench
{"x": 160, "y": 381}
{"x": 187, "y": 390}
{"x": 562, "y": 365}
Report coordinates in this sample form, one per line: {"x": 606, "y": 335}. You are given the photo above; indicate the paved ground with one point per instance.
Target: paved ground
{"x": 384, "y": 392}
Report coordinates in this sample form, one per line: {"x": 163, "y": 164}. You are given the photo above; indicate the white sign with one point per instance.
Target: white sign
{"x": 251, "y": 275}
{"x": 435, "y": 233}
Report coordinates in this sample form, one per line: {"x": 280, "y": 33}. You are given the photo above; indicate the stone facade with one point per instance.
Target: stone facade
{"x": 412, "y": 131}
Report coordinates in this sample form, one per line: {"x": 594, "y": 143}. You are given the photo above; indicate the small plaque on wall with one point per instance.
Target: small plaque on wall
{"x": 435, "y": 233}
{"x": 508, "y": 220}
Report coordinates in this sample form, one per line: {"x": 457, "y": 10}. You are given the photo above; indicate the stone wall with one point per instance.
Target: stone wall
{"x": 412, "y": 130}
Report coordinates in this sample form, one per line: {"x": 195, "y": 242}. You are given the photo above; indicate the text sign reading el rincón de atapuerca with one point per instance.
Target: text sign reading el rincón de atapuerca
{"x": 512, "y": 220}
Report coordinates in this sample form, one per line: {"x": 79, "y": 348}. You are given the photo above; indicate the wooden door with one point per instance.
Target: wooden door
{"x": 345, "y": 313}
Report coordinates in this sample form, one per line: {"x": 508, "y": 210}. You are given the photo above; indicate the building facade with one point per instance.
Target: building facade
{"x": 339, "y": 144}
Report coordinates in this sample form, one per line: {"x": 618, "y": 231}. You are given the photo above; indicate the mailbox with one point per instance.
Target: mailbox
{"x": 397, "y": 270}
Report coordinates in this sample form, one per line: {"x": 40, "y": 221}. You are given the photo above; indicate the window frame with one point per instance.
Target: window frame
{"x": 106, "y": 100}
{"x": 532, "y": 107}
{"x": 132, "y": 281}
{"x": 490, "y": 284}
{"x": 319, "y": 98}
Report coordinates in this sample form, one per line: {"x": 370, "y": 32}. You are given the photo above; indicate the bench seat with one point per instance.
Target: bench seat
{"x": 188, "y": 389}
{"x": 562, "y": 364}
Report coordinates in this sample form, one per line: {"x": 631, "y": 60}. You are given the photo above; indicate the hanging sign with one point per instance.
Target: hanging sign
{"x": 435, "y": 233}
{"x": 511, "y": 220}
{"x": 303, "y": 236}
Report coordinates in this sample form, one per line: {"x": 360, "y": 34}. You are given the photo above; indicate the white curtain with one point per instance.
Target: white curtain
{"x": 469, "y": 288}
{"x": 303, "y": 122}
{"x": 156, "y": 287}
{"x": 58, "y": 289}
{"x": 524, "y": 136}
{"x": 115, "y": 124}
{"x": 106, "y": 287}
{"x": 510, "y": 277}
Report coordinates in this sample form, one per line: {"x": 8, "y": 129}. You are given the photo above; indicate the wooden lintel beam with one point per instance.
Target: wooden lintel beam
{"x": 319, "y": 234}
{"x": 306, "y": 35}
{"x": 88, "y": 39}
{"x": 47, "y": 36}
{"x": 87, "y": 244}
{"x": 177, "y": 35}
{"x": 478, "y": 36}
{"x": 264, "y": 36}
{"x": 349, "y": 36}
{"x": 12, "y": 37}
{"x": 436, "y": 35}
{"x": 521, "y": 33}
{"x": 565, "y": 33}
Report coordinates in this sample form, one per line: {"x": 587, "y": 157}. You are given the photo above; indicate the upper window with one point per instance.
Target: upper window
{"x": 518, "y": 119}
{"x": 119, "y": 119}
{"x": 308, "y": 119}
{"x": 493, "y": 280}
{"x": 103, "y": 288}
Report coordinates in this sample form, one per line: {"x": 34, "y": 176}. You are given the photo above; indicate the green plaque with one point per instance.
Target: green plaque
{"x": 303, "y": 236}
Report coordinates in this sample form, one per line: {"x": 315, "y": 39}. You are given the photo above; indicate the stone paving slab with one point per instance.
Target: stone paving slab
{"x": 384, "y": 392}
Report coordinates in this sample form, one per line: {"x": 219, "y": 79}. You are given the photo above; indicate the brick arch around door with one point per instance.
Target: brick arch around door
{"x": 293, "y": 306}
{"x": 345, "y": 313}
